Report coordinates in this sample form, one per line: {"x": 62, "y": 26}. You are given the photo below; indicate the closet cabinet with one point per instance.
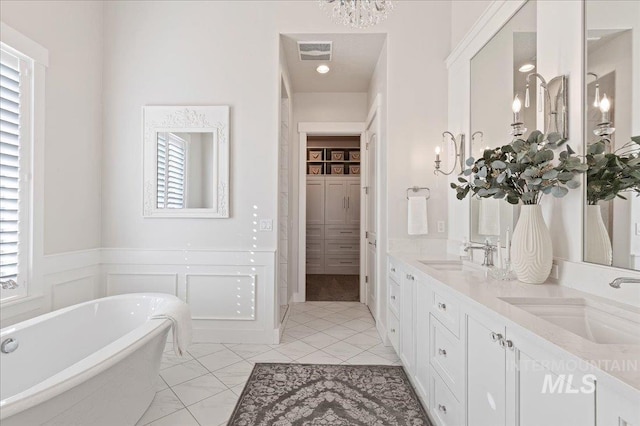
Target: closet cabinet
{"x": 333, "y": 225}
{"x": 342, "y": 202}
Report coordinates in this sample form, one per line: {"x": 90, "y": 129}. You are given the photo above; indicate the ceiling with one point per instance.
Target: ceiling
{"x": 352, "y": 65}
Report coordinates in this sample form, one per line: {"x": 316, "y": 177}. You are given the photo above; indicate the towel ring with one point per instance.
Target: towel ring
{"x": 419, "y": 188}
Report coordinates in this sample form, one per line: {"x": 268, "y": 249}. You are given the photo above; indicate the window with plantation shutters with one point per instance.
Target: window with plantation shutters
{"x": 14, "y": 172}
{"x": 171, "y": 171}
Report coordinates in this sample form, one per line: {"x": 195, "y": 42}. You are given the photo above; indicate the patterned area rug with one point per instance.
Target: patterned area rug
{"x": 328, "y": 395}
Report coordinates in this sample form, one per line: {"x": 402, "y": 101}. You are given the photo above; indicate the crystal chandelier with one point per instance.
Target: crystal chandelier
{"x": 357, "y": 13}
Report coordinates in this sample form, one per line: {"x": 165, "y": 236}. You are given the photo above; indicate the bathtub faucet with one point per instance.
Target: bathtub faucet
{"x": 8, "y": 284}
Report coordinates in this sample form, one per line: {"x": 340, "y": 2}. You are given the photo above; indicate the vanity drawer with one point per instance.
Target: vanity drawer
{"x": 394, "y": 331}
{"x": 341, "y": 232}
{"x": 315, "y": 232}
{"x": 445, "y": 408}
{"x": 394, "y": 297}
{"x": 315, "y": 263}
{"x": 315, "y": 246}
{"x": 447, "y": 310}
{"x": 342, "y": 264}
{"x": 446, "y": 356}
{"x": 351, "y": 246}
{"x": 394, "y": 270}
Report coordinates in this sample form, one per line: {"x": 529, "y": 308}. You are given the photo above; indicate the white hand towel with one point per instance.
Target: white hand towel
{"x": 417, "y": 217}
{"x": 179, "y": 314}
{"x": 489, "y": 216}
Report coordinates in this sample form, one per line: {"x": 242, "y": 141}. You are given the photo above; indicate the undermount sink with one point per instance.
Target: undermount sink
{"x": 444, "y": 265}
{"x": 451, "y": 265}
{"x": 598, "y": 322}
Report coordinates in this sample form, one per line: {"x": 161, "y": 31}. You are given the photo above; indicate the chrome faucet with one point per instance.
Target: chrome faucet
{"x": 488, "y": 249}
{"x": 8, "y": 284}
{"x": 624, "y": 280}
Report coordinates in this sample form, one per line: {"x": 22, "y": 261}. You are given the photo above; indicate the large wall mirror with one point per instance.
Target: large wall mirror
{"x": 612, "y": 118}
{"x": 186, "y": 161}
{"x": 498, "y": 74}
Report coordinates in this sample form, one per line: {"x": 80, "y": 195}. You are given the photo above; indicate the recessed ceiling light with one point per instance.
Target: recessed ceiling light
{"x": 323, "y": 69}
{"x": 526, "y": 68}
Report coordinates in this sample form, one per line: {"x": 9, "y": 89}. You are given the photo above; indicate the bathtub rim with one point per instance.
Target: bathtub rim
{"x": 89, "y": 367}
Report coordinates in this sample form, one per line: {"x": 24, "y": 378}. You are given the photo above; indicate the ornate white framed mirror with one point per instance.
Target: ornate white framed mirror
{"x": 186, "y": 161}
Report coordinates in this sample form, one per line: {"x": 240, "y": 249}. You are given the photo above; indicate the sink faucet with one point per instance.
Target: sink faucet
{"x": 488, "y": 249}
{"x": 8, "y": 284}
{"x": 624, "y": 280}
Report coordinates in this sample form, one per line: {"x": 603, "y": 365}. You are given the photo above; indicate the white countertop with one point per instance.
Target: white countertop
{"x": 487, "y": 292}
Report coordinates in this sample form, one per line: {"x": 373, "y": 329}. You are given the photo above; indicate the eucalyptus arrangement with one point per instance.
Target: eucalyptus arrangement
{"x": 522, "y": 171}
{"x": 612, "y": 173}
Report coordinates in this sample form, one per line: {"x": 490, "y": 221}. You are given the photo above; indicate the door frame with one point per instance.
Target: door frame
{"x": 320, "y": 129}
{"x": 374, "y": 112}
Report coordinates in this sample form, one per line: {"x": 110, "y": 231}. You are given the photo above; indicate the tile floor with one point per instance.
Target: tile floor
{"x": 203, "y": 387}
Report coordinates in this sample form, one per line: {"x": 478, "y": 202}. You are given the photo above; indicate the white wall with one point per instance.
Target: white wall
{"x": 72, "y": 32}
{"x": 464, "y": 13}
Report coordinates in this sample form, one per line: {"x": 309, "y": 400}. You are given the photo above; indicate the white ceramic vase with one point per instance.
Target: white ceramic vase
{"x": 531, "y": 249}
{"x": 598, "y": 244}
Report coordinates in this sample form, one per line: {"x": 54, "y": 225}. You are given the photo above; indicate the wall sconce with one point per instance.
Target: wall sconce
{"x": 596, "y": 97}
{"x": 459, "y": 150}
{"x": 604, "y": 128}
{"x": 517, "y": 127}
{"x": 555, "y": 103}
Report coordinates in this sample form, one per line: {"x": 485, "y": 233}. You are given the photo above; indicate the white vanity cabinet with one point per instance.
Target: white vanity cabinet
{"x": 616, "y": 409}
{"x": 407, "y": 321}
{"x": 513, "y": 379}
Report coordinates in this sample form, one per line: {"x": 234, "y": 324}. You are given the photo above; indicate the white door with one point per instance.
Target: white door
{"x": 335, "y": 208}
{"x": 353, "y": 202}
{"x": 315, "y": 202}
{"x": 486, "y": 365}
{"x": 370, "y": 225}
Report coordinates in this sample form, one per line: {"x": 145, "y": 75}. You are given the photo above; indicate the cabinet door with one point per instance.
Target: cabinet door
{"x": 423, "y": 296}
{"x": 486, "y": 400}
{"x": 407, "y": 324}
{"x": 315, "y": 202}
{"x": 547, "y": 389}
{"x": 335, "y": 208}
{"x": 353, "y": 203}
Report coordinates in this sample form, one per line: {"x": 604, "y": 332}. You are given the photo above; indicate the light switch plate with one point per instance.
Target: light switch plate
{"x": 637, "y": 228}
{"x": 441, "y": 226}
{"x": 266, "y": 225}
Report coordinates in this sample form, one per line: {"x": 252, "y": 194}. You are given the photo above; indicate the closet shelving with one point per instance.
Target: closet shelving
{"x": 323, "y": 161}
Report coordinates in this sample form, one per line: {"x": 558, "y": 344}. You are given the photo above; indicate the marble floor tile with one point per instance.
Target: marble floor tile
{"x": 179, "y": 418}
{"x": 183, "y": 372}
{"x": 271, "y": 356}
{"x": 235, "y": 374}
{"x": 319, "y": 357}
{"x": 198, "y": 350}
{"x": 220, "y": 359}
{"x": 340, "y": 332}
{"x": 164, "y": 403}
{"x": 342, "y": 350}
{"x": 320, "y": 340}
{"x": 296, "y": 349}
{"x": 214, "y": 410}
{"x": 248, "y": 350}
{"x": 198, "y": 389}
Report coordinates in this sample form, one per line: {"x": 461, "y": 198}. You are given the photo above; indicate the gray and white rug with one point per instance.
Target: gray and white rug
{"x": 328, "y": 395}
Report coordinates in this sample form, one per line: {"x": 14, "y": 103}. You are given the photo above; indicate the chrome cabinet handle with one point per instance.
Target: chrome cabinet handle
{"x": 442, "y": 408}
{"x": 393, "y": 298}
{"x": 442, "y": 306}
{"x": 393, "y": 269}
{"x": 410, "y": 277}
{"x": 506, "y": 344}
{"x": 344, "y": 202}
{"x": 496, "y": 337}
{"x": 393, "y": 330}
{"x": 348, "y": 202}
{"x": 442, "y": 352}
{"x": 9, "y": 345}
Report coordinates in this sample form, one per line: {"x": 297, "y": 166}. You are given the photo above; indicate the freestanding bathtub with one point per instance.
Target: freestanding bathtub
{"x": 95, "y": 363}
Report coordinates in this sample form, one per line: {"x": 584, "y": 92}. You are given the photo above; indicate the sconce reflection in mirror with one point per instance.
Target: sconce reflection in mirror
{"x": 473, "y": 137}
{"x": 604, "y": 128}
{"x": 517, "y": 127}
{"x": 554, "y": 96}
{"x": 459, "y": 151}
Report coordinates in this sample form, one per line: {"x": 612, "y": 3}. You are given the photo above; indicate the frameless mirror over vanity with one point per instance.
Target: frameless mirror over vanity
{"x": 498, "y": 74}
{"x": 612, "y": 118}
{"x": 186, "y": 161}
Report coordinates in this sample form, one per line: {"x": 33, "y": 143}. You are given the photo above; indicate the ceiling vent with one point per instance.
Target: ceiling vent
{"x": 315, "y": 50}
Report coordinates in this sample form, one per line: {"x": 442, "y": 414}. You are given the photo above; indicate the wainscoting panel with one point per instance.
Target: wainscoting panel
{"x": 232, "y": 294}
{"x": 222, "y": 296}
{"x": 122, "y": 283}
{"x": 75, "y": 291}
